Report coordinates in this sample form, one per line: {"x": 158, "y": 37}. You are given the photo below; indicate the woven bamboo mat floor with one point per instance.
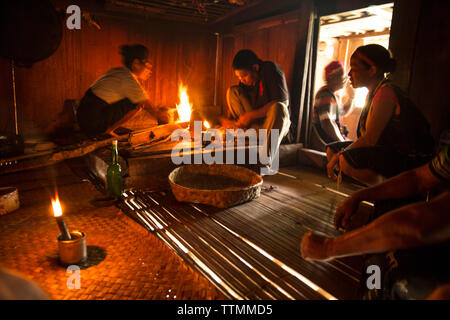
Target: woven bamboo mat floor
{"x": 251, "y": 251}
{"x": 125, "y": 260}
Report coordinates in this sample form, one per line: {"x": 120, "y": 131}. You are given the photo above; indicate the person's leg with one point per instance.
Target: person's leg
{"x": 366, "y": 176}
{"x": 89, "y": 114}
{"x": 277, "y": 124}
{"x": 238, "y": 102}
{"x": 126, "y": 118}
{"x": 115, "y": 115}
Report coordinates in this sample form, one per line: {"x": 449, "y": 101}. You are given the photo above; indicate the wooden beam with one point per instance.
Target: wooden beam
{"x": 366, "y": 34}
{"x": 282, "y": 19}
{"x": 404, "y": 29}
{"x": 253, "y": 11}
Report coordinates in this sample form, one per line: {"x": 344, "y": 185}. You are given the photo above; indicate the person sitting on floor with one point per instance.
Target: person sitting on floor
{"x": 326, "y": 110}
{"x": 117, "y": 99}
{"x": 261, "y": 99}
{"x": 393, "y": 135}
{"x": 421, "y": 230}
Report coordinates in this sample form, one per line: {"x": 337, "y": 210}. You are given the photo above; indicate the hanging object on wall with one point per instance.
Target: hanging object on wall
{"x": 91, "y": 20}
{"x": 30, "y": 31}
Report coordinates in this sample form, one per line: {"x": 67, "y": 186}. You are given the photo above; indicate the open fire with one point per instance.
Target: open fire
{"x": 184, "y": 108}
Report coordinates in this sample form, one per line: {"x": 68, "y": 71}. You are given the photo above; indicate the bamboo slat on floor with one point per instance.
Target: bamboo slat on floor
{"x": 251, "y": 251}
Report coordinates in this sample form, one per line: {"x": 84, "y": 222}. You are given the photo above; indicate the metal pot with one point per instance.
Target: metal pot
{"x": 72, "y": 251}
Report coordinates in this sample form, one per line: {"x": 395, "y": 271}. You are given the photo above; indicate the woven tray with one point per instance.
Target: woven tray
{"x": 219, "y": 185}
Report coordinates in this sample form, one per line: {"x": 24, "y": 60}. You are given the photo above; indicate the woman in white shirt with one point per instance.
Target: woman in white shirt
{"x": 117, "y": 98}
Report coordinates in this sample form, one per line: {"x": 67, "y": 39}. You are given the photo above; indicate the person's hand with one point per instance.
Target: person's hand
{"x": 345, "y": 211}
{"x": 227, "y": 123}
{"x": 163, "y": 116}
{"x": 244, "y": 120}
{"x": 333, "y": 165}
{"x": 315, "y": 247}
{"x": 148, "y": 106}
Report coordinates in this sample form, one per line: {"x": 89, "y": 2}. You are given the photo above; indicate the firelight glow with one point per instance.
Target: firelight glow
{"x": 206, "y": 124}
{"x": 57, "y": 211}
{"x": 184, "y": 108}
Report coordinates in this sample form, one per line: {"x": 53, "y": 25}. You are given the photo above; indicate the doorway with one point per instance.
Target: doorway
{"x": 339, "y": 35}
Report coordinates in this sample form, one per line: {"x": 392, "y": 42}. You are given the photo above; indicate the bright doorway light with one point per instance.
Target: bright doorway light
{"x": 360, "y": 97}
{"x": 339, "y": 36}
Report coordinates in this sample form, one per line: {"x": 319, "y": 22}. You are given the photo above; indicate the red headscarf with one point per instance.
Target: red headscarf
{"x": 332, "y": 68}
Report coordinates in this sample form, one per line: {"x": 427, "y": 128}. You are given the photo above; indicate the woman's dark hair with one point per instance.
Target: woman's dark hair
{"x": 374, "y": 54}
{"x": 245, "y": 59}
{"x": 131, "y": 52}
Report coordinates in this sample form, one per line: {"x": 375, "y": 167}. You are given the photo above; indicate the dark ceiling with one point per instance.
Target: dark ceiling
{"x": 196, "y": 11}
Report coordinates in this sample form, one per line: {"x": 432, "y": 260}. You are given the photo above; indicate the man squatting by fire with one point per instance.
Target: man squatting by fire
{"x": 260, "y": 100}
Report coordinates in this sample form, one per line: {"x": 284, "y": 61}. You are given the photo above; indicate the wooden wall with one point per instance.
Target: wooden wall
{"x": 275, "y": 42}
{"x": 419, "y": 41}
{"x": 179, "y": 52}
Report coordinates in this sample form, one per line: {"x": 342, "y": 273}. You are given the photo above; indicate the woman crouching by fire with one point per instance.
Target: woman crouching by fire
{"x": 118, "y": 99}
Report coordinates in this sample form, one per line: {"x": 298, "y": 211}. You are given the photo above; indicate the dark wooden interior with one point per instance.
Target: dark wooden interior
{"x": 186, "y": 52}
{"x": 195, "y": 45}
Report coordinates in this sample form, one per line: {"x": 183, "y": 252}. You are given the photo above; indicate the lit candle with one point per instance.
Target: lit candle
{"x": 57, "y": 211}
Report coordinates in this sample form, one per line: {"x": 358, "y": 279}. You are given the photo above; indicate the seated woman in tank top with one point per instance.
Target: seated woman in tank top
{"x": 393, "y": 135}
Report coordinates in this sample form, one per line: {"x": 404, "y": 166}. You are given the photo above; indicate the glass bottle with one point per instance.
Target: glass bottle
{"x": 114, "y": 181}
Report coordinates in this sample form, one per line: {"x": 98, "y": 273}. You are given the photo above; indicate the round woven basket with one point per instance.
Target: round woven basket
{"x": 219, "y": 185}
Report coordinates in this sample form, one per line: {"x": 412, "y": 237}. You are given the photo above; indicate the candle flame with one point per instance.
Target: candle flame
{"x": 184, "y": 108}
{"x": 57, "y": 211}
{"x": 206, "y": 124}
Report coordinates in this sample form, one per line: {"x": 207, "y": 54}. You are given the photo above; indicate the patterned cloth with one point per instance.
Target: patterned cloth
{"x": 325, "y": 107}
